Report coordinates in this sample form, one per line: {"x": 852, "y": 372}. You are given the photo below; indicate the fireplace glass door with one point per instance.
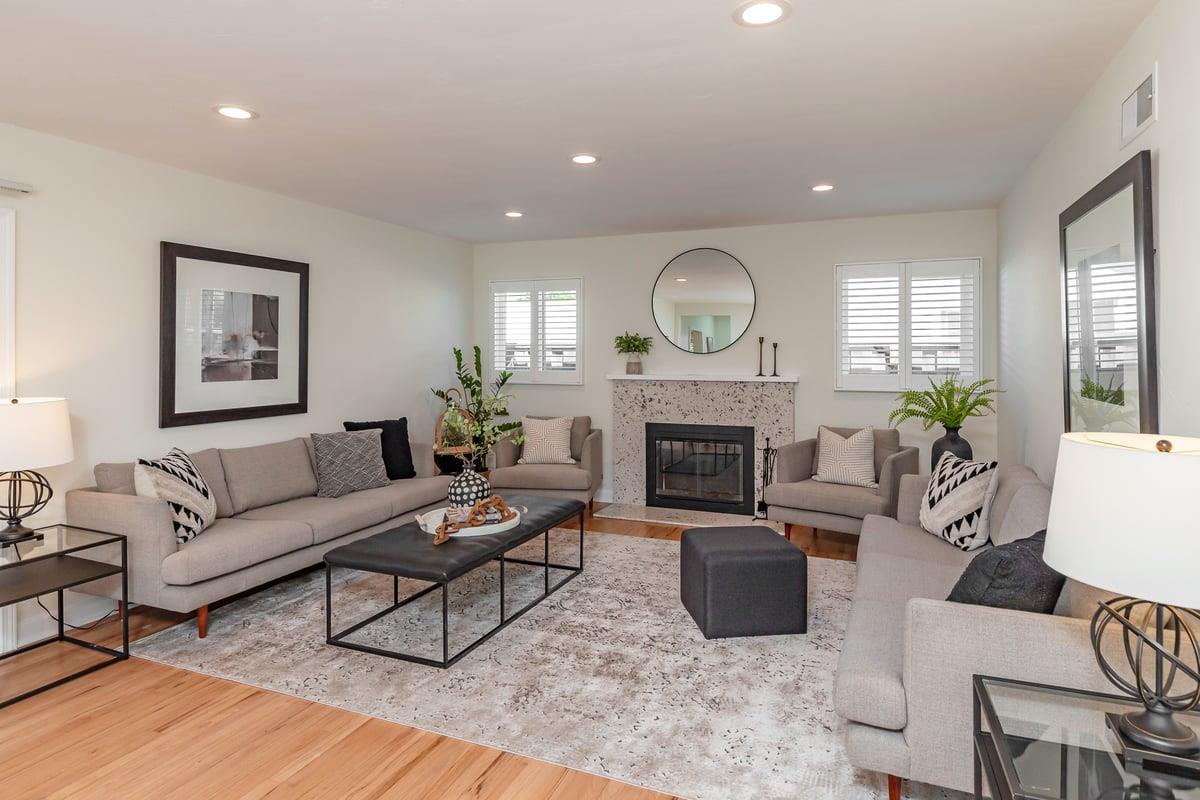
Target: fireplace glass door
{"x": 701, "y": 467}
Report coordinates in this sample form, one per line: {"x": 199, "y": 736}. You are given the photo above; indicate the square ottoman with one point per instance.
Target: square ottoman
{"x": 743, "y": 581}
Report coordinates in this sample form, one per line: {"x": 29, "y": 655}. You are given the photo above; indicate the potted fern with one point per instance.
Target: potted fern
{"x": 633, "y": 346}
{"x": 949, "y": 404}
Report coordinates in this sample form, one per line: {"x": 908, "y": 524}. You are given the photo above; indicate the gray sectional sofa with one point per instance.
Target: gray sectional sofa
{"x": 269, "y": 524}
{"x": 904, "y": 679}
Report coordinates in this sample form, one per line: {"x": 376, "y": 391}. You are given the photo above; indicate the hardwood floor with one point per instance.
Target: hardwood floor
{"x": 143, "y": 730}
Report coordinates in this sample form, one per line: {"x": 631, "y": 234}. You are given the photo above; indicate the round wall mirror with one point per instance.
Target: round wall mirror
{"x": 703, "y": 300}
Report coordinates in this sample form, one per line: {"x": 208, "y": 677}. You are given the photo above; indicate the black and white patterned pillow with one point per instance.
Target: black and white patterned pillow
{"x": 958, "y": 501}
{"x": 848, "y": 460}
{"x": 175, "y": 479}
{"x": 349, "y": 462}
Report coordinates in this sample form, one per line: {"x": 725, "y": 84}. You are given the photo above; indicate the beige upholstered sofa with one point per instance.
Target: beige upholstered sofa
{"x": 904, "y": 679}
{"x": 269, "y": 524}
{"x": 578, "y": 481}
{"x": 794, "y": 498}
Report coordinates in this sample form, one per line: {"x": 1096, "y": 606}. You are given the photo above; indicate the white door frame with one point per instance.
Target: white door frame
{"x": 8, "y": 374}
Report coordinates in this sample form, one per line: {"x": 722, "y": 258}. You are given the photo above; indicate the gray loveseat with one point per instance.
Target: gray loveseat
{"x": 270, "y": 523}
{"x": 904, "y": 678}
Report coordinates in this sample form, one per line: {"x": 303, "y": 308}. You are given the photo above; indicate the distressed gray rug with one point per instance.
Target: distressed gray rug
{"x": 609, "y": 675}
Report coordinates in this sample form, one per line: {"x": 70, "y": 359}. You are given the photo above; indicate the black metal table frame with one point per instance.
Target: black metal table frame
{"x": 447, "y": 661}
{"x": 114, "y": 655}
{"x": 988, "y": 763}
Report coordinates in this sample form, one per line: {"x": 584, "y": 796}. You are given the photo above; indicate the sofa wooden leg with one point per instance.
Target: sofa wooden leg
{"x": 591, "y": 507}
{"x": 202, "y": 621}
{"x": 787, "y": 530}
{"x": 121, "y": 610}
{"x": 894, "y": 787}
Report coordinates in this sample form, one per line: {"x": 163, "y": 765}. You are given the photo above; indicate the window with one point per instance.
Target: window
{"x": 537, "y": 330}
{"x": 901, "y": 323}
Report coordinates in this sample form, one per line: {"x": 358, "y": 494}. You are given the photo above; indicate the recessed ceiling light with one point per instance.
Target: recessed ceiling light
{"x": 584, "y": 159}
{"x": 823, "y": 187}
{"x": 235, "y": 112}
{"x": 681, "y": 280}
{"x": 514, "y": 214}
{"x": 757, "y": 13}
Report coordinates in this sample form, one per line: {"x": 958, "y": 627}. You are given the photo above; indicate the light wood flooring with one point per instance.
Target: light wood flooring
{"x": 142, "y": 730}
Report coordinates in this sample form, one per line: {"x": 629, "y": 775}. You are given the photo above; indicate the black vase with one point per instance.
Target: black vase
{"x": 950, "y": 443}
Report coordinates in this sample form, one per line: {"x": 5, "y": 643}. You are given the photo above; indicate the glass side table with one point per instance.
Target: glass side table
{"x": 1036, "y": 742}
{"x": 58, "y": 558}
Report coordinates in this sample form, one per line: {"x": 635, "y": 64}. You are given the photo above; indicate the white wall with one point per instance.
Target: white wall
{"x": 386, "y": 303}
{"x": 793, "y": 271}
{"x": 1084, "y": 150}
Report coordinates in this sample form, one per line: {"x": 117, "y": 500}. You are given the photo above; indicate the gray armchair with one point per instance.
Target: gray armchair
{"x": 794, "y": 498}
{"x": 580, "y": 480}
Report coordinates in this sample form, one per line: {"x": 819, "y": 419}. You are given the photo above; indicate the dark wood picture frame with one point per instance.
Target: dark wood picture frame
{"x": 1136, "y": 173}
{"x": 167, "y": 416}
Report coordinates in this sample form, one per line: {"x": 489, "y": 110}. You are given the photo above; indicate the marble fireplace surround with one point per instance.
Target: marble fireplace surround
{"x": 768, "y": 404}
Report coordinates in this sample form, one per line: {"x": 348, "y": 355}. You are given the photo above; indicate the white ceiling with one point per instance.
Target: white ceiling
{"x": 442, "y": 115}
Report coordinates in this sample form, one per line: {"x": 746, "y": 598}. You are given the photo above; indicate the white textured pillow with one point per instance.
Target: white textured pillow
{"x": 175, "y": 479}
{"x": 846, "y": 460}
{"x": 547, "y": 441}
{"x": 958, "y": 501}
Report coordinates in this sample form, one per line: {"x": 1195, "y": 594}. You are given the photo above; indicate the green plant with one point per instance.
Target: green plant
{"x": 633, "y": 343}
{"x": 948, "y": 403}
{"x": 1093, "y": 390}
{"x": 485, "y": 402}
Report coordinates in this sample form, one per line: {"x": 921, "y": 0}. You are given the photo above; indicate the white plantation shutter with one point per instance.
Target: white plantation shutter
{"x": 869, "y": 324}
{"x": 943, "y": 320}
{"x": 1102, "y": 316}
{"x": 537, "y": 330}
{"x": 901, "y": 323}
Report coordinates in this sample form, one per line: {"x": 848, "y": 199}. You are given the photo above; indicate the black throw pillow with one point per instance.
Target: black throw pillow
{"x": 397, "y": 452}
{"x": 1012, "y": 576}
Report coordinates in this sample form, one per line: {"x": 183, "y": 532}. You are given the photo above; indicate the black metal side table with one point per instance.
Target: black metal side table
{"x": 1038, "y": 742}
{"x": 58, "y": 558}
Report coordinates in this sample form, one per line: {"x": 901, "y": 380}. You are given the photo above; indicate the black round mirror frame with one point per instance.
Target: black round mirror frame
{"x": 753, "y": 309}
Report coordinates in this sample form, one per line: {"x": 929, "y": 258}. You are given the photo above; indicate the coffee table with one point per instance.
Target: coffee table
{"x": 409, "y": 552}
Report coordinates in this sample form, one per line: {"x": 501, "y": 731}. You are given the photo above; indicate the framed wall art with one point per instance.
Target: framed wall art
{"x": 233, "y": 336}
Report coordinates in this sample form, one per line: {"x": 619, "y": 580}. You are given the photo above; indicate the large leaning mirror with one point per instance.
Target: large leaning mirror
{"x": 1110, "y": 365}
{"x": 703, "y": 300}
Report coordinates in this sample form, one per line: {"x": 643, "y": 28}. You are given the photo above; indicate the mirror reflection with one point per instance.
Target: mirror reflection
{"x": 703, "y": 300}
{"x": 1102, "y": 318}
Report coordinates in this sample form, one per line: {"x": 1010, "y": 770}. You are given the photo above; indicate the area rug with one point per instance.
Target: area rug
{"x": 680, "y": 516}
{"x": 609, "y": 675}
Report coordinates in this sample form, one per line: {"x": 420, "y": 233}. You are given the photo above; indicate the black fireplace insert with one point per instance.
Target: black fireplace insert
{"x": 700, "y": 467}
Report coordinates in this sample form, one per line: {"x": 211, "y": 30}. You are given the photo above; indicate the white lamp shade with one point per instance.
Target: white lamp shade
{"x": 1125, "y": 517}
{"x": 35, "y": 432}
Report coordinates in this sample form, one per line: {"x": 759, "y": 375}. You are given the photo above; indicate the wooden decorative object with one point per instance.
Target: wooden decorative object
{"x": 475, "y": 517}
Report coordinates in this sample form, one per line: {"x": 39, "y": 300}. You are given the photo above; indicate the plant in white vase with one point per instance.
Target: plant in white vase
{"x": 633, "y": 346}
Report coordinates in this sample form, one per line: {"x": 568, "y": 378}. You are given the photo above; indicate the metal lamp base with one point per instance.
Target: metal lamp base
{"x": 1162, "y": 670}
{"x": 16, "y": 533}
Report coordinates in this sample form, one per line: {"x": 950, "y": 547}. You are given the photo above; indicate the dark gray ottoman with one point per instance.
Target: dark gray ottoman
{"x": 744, "y": 581}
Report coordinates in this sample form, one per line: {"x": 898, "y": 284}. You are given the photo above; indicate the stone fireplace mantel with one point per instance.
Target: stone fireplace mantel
{"x": 620, "y": 376}
{"x": 767, "y": 404}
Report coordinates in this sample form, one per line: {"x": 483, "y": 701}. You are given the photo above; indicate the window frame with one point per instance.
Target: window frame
{"x": 903, "y": 379}
{"x": 535, "y": 375}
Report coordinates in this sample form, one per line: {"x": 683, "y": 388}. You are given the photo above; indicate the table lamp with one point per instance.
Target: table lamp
{"x": 1125, "y": 518}
{"x": 35, "y": 432}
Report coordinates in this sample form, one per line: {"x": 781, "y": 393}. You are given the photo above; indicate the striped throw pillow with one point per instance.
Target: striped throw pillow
{"x": 175, "y": 479}
{"x": 547, "y": 441}
{"x": 958, "y": 501}
{"x": 846, "y": 460}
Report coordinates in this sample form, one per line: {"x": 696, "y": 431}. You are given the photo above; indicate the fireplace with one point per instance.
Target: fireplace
{"x": 700, "y": 467}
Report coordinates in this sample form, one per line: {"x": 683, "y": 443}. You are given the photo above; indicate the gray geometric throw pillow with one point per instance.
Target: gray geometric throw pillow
{"x": 349, "y": 462}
